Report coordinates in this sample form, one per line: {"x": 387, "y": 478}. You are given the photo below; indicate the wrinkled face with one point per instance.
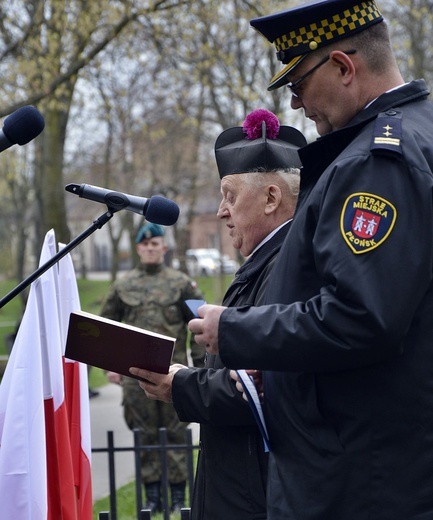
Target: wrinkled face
{"x": 151, "y": 250}
{"x": 242, "y": 209}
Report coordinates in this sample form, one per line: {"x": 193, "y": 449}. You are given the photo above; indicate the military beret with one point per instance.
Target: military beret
{"x": 297, "y": 32}
{"x": 261, "y": 143}
{"x": 149, "y": 231}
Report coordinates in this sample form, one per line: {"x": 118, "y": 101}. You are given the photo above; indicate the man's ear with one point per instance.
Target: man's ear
{"x": 273, "y": 198}
{"x": 344, "y": 64}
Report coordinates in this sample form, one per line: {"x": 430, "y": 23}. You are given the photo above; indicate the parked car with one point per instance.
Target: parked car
{"x": 229, "y": 266}
{"x": 202, "y": 262}
{"x": 208, "y": 262}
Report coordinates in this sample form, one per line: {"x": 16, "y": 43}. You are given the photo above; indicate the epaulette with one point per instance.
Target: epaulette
{"x": 387, "y": 133}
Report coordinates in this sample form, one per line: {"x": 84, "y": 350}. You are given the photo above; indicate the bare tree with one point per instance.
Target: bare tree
{"x": 168, "y": 75}
{"x": 44, "y": 52}
{"x": 411, "y": 24}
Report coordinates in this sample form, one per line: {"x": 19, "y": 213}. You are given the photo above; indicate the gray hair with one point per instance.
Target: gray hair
{"x": 285, "y": 178}
{"x": 373, "y": 44}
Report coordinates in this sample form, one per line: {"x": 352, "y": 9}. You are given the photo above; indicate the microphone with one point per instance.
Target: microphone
{"x": 157, "y": 209}
{"x": 21, "y": 127}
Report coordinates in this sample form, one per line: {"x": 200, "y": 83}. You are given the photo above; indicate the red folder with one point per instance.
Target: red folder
{"x": 116, "y": 346}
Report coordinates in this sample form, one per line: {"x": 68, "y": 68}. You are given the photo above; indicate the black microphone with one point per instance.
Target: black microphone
{"x": 21, "y": 127}
{"x": 157, "y": 209}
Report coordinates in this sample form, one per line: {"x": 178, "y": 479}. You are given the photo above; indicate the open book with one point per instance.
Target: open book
{"x": 116, "y": 346}
{"x": 254, "y": 402}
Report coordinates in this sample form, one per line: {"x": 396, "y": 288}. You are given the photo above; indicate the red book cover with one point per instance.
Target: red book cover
{"x": 116, "y": 346}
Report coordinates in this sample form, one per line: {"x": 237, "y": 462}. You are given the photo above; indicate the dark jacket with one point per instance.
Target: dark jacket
{"x": 232, "y": 466}
{"x": 349, "y": 325}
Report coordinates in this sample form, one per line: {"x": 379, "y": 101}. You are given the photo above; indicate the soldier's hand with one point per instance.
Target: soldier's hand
{"x": 114, "y": 377}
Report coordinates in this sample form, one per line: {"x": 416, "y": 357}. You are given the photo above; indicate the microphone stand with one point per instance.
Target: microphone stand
{"x": 97, "y": 224}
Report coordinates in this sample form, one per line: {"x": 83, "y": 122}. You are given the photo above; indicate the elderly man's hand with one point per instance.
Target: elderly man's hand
{"x": 157, "y": 386}
{"x": 205, "y": 328}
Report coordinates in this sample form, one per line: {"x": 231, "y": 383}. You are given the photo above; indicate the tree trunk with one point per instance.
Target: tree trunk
{"x": 49, "y": 184}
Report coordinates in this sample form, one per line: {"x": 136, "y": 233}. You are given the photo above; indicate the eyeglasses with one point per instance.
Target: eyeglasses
{"x": 294, "y": 87}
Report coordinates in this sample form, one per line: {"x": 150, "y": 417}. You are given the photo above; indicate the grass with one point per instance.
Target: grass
{"x": 9, "y": 314}
{"x": 126, "y": 506}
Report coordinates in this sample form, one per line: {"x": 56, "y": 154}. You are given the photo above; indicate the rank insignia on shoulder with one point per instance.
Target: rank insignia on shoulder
{"x": 366, "y": 221}
{"x": 387, "y": 133}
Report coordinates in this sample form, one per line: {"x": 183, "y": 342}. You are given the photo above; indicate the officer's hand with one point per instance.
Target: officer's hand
{"x": 205, "y": 328}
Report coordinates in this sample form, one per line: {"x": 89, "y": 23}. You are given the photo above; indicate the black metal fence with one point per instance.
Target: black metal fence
{"x": 146, "y": 515}
{"x": 163, "y": 447}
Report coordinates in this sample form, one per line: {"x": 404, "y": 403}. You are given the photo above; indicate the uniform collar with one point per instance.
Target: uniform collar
{"x": 319, "y": 154}
{"x": 151, "y": 268}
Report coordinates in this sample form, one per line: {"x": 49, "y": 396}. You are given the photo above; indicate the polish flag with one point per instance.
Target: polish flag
{"x": 60, "y": 476}
{"x": 23, "y": 456}
{"x": 77, "y": 395}
{"x": 37, "y": 470}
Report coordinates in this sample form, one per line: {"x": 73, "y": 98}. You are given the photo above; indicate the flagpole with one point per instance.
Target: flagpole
{"x": 97, "y": 224}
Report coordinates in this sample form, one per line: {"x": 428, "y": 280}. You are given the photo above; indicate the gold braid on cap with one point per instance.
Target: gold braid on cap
{"x": 323, "y": 32}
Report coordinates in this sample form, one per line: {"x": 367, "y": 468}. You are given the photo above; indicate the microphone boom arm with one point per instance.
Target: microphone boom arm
{"x": 156, "y": 209}
{"x": 97, "y": 224}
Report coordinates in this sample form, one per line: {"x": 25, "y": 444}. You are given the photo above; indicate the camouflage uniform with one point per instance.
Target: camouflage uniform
{"x": 152, "y": 297}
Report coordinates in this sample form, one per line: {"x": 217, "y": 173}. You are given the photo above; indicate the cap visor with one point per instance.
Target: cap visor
{"x": 279, "y": 80}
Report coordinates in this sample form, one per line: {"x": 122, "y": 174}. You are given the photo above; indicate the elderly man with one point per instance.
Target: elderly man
{"x": 348, "y": 387}
{"x": 259, "y": 187}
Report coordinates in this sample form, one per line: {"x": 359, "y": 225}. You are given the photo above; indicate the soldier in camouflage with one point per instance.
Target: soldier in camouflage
{"x": 152, "y": 296}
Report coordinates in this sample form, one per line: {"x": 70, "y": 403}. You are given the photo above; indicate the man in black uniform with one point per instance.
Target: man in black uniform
{"x": 259, "y": 193}
{"x": 348, "y": 386}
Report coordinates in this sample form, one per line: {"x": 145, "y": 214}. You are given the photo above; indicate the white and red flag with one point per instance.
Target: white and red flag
{"x": 77, "y": 395}
{"x": 39, "y": 469}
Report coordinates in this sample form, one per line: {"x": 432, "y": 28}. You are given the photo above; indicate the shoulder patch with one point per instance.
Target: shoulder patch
{"x": 387, "y": 133}
{"x": 366, "y": 221}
